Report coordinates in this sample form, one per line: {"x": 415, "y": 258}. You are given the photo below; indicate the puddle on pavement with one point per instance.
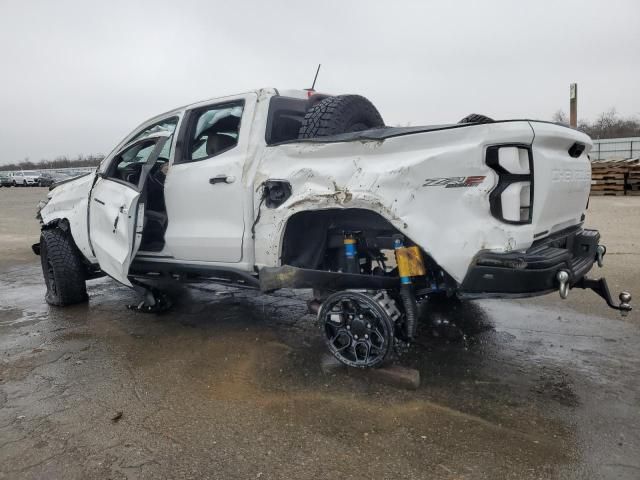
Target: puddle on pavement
{"x": 249, "y": 361}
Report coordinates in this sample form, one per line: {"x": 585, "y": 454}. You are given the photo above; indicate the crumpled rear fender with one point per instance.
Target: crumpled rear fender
{"x": 394, "y": 178}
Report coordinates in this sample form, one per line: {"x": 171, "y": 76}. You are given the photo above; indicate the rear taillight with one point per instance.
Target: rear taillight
{"x": 511, "y": 200}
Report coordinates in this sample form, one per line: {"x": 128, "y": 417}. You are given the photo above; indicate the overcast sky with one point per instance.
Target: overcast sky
{"x": 77, "y": 76}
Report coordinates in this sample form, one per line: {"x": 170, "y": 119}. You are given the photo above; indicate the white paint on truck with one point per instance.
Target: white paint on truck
{"x": 211, "y": 224}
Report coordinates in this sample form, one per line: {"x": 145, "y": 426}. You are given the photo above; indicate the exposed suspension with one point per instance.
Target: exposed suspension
{"x": 410, "y": 264}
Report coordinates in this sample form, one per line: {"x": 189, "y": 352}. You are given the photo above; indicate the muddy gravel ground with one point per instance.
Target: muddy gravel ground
{"x": 229, "y": 383}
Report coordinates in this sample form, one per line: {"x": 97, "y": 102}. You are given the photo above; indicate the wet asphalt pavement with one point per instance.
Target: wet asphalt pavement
{"x": 229, "y": 385}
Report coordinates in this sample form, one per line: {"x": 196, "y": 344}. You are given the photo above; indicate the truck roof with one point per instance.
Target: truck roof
{"x": 268, "y": 91}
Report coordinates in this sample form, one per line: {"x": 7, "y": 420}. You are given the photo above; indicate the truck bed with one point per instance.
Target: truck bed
{"x": 384, "y": 133}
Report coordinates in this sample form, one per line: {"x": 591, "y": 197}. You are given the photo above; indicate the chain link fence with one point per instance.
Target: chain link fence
{"x": 615, "y": 149}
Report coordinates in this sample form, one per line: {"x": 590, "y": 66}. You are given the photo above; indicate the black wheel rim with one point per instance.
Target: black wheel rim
{"x": 357, "y": 330}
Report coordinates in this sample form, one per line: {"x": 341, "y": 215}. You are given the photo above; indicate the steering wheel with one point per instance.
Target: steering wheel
{"x": 155, "y": 174}
{"x": 131, "y": 173}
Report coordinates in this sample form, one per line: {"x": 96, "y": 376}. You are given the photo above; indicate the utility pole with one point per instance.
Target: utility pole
{"x": 573, "y": 105}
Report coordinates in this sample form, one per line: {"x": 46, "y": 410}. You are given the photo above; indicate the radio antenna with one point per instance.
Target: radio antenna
{"x": 315, "y": 78}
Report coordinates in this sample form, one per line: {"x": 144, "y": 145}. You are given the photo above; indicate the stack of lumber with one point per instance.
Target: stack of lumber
{"x": 633, "y": 180}
{"x": 615, "y": 177}
{"x": 607, "y": 180}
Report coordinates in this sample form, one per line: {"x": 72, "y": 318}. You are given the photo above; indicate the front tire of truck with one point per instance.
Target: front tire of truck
{"x": 64, "y": 273}
{"x": 340, "y": 114}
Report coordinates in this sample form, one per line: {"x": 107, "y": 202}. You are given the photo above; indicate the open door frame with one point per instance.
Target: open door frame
{"x": 116, "y": 214}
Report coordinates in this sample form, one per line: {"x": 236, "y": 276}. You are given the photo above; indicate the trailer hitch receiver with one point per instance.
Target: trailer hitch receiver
{"x": 601, "y": 288}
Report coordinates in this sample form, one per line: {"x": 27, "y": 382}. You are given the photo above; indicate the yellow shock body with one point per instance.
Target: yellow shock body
{"x": 410, "y": 263}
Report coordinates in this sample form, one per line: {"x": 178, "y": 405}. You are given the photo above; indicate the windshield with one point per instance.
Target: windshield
{"x": 166, "y": 125}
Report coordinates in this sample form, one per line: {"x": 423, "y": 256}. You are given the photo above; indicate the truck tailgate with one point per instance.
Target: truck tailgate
{"x": 561, "y": 181}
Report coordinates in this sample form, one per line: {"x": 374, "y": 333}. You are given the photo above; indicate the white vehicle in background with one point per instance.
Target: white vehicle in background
{"x": 24, "y": 179}
{"x": 291, "y": 189}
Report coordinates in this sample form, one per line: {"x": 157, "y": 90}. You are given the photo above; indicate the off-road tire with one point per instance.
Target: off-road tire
{"x": 476, "y": 118}
{"x": 340, "y": 114}
{"x": 62, "y": 267}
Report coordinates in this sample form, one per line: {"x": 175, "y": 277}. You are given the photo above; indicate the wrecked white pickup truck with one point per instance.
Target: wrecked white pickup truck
{"x": 291, "y": 189}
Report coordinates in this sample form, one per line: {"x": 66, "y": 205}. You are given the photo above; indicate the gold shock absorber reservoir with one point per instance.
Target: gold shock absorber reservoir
{"x": 410, "y": 262}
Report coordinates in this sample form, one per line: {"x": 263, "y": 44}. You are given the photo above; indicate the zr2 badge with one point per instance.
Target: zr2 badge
{"x": 454, "y": 182}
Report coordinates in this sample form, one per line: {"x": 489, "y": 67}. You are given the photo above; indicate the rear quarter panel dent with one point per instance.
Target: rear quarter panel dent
{"x": 388, "y": 177}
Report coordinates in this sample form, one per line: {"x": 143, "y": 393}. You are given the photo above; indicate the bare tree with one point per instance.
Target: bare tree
{"x": 607, "y": 125}
{"x": 560, "y": 117}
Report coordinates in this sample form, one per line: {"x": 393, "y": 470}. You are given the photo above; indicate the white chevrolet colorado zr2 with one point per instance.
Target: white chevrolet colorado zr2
{"x": 292, "y": 189}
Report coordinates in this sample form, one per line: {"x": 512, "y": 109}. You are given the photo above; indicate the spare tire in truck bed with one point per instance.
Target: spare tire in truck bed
{"x": 340, "y": 114}
{"x": 476, "y": 118}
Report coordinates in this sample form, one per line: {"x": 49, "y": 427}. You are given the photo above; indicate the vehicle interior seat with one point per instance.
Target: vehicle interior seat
{"x": 155, "y": 225}
{"x": 158, "y": 218}
{"x": 217, "y": 142}
{"x": 155, "y": 215}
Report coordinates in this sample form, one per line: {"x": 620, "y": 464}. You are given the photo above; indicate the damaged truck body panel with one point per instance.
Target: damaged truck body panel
{"x": 292, "y": 189}
{"x": 391, "y": 178}
{"x": 71, "y": 204}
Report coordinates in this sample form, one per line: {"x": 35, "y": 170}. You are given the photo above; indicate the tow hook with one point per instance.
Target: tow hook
{"x": 600, "y": 252}
{"x": 563, "y": 279}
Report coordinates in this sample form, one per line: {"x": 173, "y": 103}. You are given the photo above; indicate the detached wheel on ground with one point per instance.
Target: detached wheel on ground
{"x": 476, "y": 118}
{"x": 62, "y": 267}
{"x": 340, "y": 114}
{"x": 358, "y": 330}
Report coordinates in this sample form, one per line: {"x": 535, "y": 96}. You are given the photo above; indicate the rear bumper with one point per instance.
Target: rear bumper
{"x": 534, "y": 271}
